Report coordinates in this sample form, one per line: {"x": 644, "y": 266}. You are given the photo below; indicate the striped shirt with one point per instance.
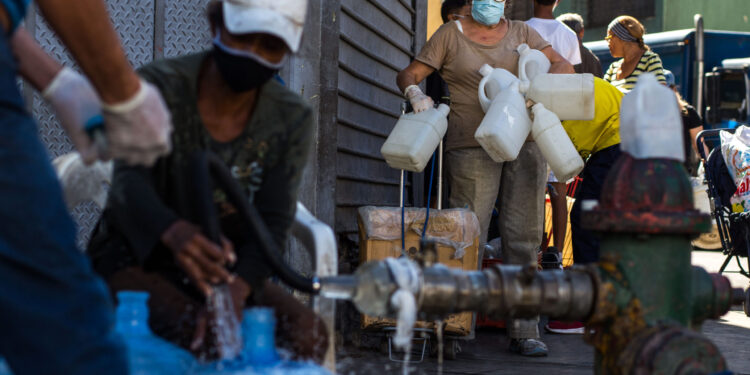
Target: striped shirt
{"x": 649, "y": 63}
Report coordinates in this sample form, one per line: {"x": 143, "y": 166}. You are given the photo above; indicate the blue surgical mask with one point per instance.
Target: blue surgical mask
{"x": 488, "y": 12}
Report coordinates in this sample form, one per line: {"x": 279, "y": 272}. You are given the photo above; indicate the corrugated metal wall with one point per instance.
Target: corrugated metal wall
{"x": 378, "y": 38}
{"x": 149, "y": 29}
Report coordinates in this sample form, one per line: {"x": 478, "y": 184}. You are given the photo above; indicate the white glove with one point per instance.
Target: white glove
{"x": 138, "y": 130}
{"x": 76, "y": 104}
{"x": 419, "y": 101}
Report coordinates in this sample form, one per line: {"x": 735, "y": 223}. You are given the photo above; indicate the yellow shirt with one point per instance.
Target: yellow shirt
{"x": 604, "y": 130}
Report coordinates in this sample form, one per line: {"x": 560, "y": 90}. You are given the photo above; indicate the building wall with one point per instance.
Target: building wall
{"x": 732, "y": 15}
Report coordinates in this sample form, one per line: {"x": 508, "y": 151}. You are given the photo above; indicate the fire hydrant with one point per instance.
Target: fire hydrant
{"x": 643, "y": 303}
{"x": 650, "y": 300}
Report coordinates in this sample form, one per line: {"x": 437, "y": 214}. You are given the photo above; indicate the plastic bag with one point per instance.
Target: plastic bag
{"x": 735, "y": 148}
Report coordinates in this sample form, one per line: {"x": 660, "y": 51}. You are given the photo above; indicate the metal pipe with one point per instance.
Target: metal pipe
{"x": 503, "y": 290}
{"x": 699, "y": 51}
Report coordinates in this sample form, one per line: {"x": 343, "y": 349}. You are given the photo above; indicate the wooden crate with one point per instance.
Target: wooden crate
{"x": 380, "y": 237}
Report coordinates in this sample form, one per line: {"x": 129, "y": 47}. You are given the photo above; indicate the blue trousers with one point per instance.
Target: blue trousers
{"x": 585, "y": 242}
{"x": 56, "y": 316}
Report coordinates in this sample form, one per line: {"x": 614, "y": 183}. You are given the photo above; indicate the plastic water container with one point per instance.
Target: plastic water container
{"x": 147, "y": 353}
{"x": 4, "y": 368}
{"x": 650, "y": 121}
{"x": 506, "y": 125}
{"x": 569, "y": 96}
{"x": 494, "y": 80}
{"x": 555, "y": 144}
{"x": 258, "y": 328}
{"x": 531, "y": 63}
{"x": 259, "y": 355}
{"x": 415, "y": 138}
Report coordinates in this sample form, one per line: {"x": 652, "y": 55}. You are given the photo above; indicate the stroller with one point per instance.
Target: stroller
{"x": 733, "y": 228}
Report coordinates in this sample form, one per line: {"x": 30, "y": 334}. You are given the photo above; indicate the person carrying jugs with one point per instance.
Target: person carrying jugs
{"x": 457, "y": 50}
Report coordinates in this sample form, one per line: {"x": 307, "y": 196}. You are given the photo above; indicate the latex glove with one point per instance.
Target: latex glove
{"x": 138, "y": 130}
{"x": 76, "y": 104}
{"x": 419, "y": 101}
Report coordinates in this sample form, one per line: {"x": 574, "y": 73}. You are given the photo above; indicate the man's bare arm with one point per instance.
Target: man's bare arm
{"x": 85, "y": 28}
{"x": 34, "y": 65}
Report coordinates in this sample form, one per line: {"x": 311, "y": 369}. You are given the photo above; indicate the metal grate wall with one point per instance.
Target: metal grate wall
{"x": 148, "y": 29}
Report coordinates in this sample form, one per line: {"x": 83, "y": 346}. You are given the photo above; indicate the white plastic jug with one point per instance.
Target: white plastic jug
{"x": 531, "y": 63}
{"x": 569, "y": 96}
{"x": 414, "y": 138}
{"x": 555, "y": 144}
{"x": 650, "y": 121}
{"x": 495, "y": 80}
{"x": 506, "y": 125}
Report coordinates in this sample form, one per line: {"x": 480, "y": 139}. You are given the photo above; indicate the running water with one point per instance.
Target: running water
{"x": 227, "y": 328}
{"x": 441, "y": 347}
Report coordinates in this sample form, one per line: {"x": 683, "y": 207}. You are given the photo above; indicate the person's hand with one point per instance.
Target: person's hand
{"x": 76, "y": 104}
{"x": 419, "y": 101}
{"x": 203, "y": 261}
{"x": 138, "y": 130}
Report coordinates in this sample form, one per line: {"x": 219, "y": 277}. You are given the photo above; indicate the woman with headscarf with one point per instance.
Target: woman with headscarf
{"x": 625, "y": 39}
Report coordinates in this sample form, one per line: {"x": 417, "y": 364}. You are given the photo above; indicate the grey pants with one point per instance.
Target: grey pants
{"x": 475, "y": 181}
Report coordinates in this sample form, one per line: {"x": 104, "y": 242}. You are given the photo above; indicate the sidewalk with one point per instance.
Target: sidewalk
{"x": 569, "y": 355}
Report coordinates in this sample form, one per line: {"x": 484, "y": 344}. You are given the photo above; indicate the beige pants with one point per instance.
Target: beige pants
{"x": 475, "y": 181}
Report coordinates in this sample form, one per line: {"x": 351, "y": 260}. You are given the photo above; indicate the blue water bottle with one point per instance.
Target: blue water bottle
{"x": 4, "y": 369}
{"x": 258, "y": 327}
{"x": 147, "y": 353}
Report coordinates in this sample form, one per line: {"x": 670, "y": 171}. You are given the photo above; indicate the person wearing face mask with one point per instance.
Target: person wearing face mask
{"x": 457, "y": 50}
{"x": 223, "y": 100}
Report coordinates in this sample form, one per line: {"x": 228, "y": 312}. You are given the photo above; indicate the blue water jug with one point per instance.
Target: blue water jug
{"x": 147, "y": 354}
{"x": 4, "y": 369}
{"x": 258, "y": 326}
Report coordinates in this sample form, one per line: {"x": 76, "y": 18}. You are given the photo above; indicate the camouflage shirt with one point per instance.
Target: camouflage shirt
{"x": 267, "y": 159}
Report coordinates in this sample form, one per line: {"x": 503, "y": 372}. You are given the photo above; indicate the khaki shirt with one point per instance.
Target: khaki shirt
{"x": 458, "y": 60}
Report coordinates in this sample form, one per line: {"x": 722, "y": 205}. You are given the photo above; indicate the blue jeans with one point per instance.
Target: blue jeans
{"x": 56, "y": 316}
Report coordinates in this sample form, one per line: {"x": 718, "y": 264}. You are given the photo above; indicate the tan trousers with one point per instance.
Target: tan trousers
{"x": 474, "y": 183}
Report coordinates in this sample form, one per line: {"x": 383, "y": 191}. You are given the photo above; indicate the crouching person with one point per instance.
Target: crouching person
{"x": 224, "y": 101}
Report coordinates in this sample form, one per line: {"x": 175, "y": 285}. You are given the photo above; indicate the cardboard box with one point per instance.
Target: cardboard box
{"x": 457, "y": 231}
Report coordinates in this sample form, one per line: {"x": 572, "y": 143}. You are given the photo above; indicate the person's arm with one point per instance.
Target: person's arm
{"x": 85, "y": 28}
{"x": 559, "y": 204}
{"x": 136, "y": 120}
{"x": 140, "y": 214}
{"x": 276, "y": 200}
{"x": 559, "y": 64}
{"x": 407, "y": 81}
{"x": 34, "y": 65}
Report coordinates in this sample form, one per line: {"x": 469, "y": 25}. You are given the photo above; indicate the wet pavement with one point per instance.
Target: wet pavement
{"x": 488, "y": 353}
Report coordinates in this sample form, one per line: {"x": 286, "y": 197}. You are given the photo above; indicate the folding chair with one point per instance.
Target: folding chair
{"x": 733, "y": 228}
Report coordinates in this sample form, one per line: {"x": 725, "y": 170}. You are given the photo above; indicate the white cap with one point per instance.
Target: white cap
{"x": 282, "y": 18}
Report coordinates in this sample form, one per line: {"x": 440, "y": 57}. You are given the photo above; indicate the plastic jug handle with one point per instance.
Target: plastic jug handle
{"x": 483, "y": 99}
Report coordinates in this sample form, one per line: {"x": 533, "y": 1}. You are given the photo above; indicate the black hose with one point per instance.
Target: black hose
{"x": 223, "y": 179}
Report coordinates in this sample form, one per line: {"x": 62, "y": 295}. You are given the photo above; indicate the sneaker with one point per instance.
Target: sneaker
{"x": 528, "y": 347}
{"x": 571, "y": 328}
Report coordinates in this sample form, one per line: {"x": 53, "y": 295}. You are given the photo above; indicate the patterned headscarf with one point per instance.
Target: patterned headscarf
{"x": 620, "y": 31}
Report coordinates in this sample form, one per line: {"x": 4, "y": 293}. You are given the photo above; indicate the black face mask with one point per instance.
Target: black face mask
{"x": 241, "y": 73}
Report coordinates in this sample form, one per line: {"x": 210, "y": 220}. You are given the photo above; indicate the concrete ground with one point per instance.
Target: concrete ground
{"x": 569, "y": 355}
